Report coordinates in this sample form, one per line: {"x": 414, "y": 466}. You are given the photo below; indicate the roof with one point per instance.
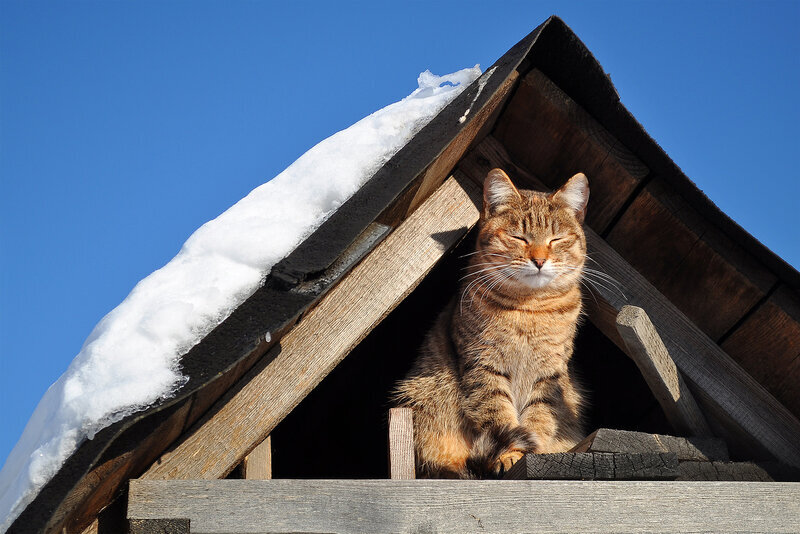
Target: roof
{"x": 97, "y": 471}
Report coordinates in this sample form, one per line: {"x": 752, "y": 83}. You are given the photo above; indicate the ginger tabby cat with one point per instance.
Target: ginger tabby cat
{"x": 492, "y": 381}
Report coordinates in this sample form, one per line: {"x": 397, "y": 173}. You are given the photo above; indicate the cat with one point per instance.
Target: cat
{"x": 492, "y": 380}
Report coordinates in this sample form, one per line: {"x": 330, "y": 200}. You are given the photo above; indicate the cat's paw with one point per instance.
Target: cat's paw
{"x": 506, "y": 460}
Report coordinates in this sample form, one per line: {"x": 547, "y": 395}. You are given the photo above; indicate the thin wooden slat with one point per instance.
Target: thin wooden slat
{"x": 553, "y": 137}
{"x": 401, "y": 444}
{"x": 463, "y": 506}
{"x": 327, "y": 333}
{"x": 647, "y": 349}
{"x": 258, "y": 464}
{"x": 686, "y": 449}
{"x": 752, "y": 418}
{"x": 596, "y": 466}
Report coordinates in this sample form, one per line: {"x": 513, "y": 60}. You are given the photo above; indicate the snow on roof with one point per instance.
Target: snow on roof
{"x": 132, "y": 357}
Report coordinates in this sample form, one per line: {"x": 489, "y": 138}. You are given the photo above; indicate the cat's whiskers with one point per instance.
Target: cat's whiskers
{"x": 597, "y": 278}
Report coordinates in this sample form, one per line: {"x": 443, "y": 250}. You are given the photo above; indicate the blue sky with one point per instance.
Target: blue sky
{"x": 125, "y": 126}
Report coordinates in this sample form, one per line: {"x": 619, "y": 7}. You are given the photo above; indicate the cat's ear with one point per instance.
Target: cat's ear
{"x": 498, "y": 192}
{"x": 575, "y": 194}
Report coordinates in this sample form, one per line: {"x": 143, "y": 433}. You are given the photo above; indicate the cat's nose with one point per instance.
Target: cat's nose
{"x": 539, "y": 262}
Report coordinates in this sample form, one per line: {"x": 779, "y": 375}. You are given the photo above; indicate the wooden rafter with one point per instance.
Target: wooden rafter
{"x": 327, "y": 333}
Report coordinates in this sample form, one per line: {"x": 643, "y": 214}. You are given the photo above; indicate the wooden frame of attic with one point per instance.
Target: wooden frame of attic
{"x": 727, "y": 309}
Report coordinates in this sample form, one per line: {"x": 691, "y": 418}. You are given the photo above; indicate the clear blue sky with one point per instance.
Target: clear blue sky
{"x": 125, "y": 126}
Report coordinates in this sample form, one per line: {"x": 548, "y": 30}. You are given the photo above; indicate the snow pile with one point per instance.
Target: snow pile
{"x": 132, "y": 357}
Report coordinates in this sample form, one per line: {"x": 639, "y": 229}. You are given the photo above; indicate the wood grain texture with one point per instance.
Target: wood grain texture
{"x": 711, "y": 279}
{"x": 752, "y": 419}
{"x": 159, "y": 526}
{"x": 772, "y": 334}
{"x": 733, "y": 471}
{"x": 327, "y": 333}
{"x": 596, "y": 466}
{"x": 553, "y": 137}
{"x": 401, "y": 444}
{"x": 647, "y": 349}
{"x": 692, "y": 449}
{"x": 258, "y": 464}
{"x": 465, "y": 506}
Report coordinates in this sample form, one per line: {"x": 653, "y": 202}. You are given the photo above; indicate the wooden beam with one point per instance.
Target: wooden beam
{"x": 401, "y": 444}
{"x": 686, "y": 449}
{"x": 258, "y": 464}
{"x": 647, "y": 349}
{"x": 327, "y": 333}
{"x": 752, "y": 418}
{"x": 461, "y": 506}
{"x": 734, "y": 471}
{"x": 596, "y": 466}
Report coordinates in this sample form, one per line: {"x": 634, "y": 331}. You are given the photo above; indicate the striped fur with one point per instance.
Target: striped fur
{"x": 492, "y": 381}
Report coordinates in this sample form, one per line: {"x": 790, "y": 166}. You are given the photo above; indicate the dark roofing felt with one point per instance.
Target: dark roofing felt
{"x": 553, "y": 49}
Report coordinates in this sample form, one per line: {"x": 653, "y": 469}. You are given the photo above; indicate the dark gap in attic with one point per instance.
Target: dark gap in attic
{"x": 340, "y": 429}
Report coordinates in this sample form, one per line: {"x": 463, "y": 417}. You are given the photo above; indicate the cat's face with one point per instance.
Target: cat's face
{"x": 533, "y": 240}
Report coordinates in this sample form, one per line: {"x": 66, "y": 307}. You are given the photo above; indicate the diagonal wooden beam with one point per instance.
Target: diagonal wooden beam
{"x": 327, "y": 333}
{"x": 659, "y": 371}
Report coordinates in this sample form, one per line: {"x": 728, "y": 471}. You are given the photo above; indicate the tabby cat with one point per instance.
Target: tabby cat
{"x": 492, "y": 381}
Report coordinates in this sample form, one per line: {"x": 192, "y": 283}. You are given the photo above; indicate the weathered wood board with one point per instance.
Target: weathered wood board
{"x": 464, "y": 506}
{"x": 647, "y": 349}
{"x": 553, "y": 137}
{"x": 733, "y": 471}
{"x": 699, "y": 449}
{"x": 258, "y": 464}
{"x": 401, "y": 444}
{"x": 701, "y": 271}
{"x": 772, "y": 334}
{"x": 595, "y": 466}
{"x": 324, "y": 336}
{"x": 752, "y": 418}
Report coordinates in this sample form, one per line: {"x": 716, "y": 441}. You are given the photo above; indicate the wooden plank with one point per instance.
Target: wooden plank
{"x": 647, "y": 349}
{"x": 258, "y": 464}
{"x": 463, "y": 506}
{"x": 771, "y": 334}
{"x": 702, "y": 272}
{"x": 686, "y": 449}
{"x": 733, "y": 471}
{"x": 752, "y": 419}
{"x": 327, "y": 333}
{"x": 595, "y": 466}
{"x": 553, "y": 137}
{"x": 401, "y": 444}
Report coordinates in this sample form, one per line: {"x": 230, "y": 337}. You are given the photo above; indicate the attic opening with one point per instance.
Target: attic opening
{"x": 340, "y": 429}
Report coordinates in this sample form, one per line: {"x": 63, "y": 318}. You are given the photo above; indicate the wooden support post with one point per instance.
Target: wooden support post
{"x": 647, "y": 349}
{"x": 401, "y": 444}
{"x": 258, "y": 464}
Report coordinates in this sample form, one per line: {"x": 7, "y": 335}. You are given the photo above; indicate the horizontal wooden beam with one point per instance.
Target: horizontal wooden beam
{"x": 324, "y": 336}
{"x": 463, "y": 506}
